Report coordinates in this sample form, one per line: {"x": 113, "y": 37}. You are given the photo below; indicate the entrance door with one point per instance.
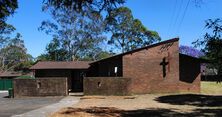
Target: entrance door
{"x": 77, "y": 81}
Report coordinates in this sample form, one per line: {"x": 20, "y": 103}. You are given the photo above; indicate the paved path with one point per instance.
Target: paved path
{"x": 47, "y": 110}
{"x": 15, "y": 106}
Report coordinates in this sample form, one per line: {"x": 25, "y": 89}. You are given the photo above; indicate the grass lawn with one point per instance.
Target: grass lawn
{"x": 212, "y": 88}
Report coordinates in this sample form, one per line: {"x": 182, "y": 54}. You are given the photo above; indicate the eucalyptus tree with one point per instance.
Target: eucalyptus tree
{"x": 127, "y": 32}
{"x": 13, "y": 53}
{"x": 54, "y": 52}
{"x": 77, "y": 32}
{"x": 8, "y": 8}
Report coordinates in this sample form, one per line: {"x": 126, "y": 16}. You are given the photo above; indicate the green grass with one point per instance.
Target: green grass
{"x": 211, "y": 88}
{"x": 25, "y": 77}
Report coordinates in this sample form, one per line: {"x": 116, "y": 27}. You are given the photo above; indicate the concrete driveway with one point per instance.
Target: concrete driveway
{"x": 16, "y": 106}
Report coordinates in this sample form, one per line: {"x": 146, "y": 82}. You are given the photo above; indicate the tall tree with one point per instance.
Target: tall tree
{"x": 212, "y": 43}
{"x": 77, "y": 33}
{"x": 8, "y": 8}
{"x": 14, "y": 53}
{"x": 54, "y": 52}
{"x": 5, "y": 32}
{"x": 128, "y": 33}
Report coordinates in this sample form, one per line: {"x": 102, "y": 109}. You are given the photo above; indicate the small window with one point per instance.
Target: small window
{"x": 116, "y": 70}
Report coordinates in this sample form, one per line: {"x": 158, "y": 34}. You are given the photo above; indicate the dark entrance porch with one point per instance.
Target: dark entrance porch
{"x": 75, "y": 77}
{"x": 73, "y": 70}
{"x": 76, "y": 80}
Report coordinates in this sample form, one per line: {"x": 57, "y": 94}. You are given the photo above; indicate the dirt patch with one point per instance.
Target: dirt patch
{"x": 129, "y": 102}
{"x": 112, "y": 106}
{"x": 205, "y": 104}
{"x": 89, "y": 112}
{"x": 114, "y": 112}
{"x": 143, "y": 105}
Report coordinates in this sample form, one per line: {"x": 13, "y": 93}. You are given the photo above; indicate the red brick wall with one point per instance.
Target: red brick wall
{"x": 146, "y": 73}
{"x": 106, "y": 86}
{"x": 40, "y": 87}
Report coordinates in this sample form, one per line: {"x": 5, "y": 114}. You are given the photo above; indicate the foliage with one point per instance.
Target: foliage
{"x": 128, "y": 33}
{"x": 14, "y": 53}
{"x": 15, "y": 49}
{"x": 25, "y": 77}
{"x": 23, "y": 66}
{"x": 191, "y": 51}
{"x": 7, "y": 8}
{"x": 104, "y": 54}
{"x": 43, "y": 57}
{"x": 54, "y": 52}
{"x": 5, "y": 31}
{"x": 97, "y": 54}
{"x": 212, "y": 43}
{"x": 78, "y": 29}
{"x": 74, "y": 35}
{"x": 80, "y": 5}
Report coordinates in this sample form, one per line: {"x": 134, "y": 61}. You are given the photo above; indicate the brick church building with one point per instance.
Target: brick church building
{"x": 155, "y": 68}
{"x": 152, "y": 69}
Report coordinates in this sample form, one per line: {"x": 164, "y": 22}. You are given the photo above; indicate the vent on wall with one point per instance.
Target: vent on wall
{"x": 98, "y": 84}
{"x": 38, "y": 84}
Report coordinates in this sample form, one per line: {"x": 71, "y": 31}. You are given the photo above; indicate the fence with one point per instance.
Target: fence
{"x": 5, "y": 84}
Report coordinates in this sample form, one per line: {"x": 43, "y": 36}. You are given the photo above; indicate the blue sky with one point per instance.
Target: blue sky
{"x": 170, "y": 18}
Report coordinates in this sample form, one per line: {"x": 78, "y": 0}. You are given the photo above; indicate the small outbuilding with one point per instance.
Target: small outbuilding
{"x": 73, "y": 70}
